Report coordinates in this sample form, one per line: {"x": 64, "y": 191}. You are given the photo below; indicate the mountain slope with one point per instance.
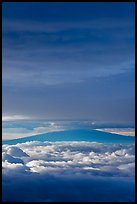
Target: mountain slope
{"x": 75, "y": 135}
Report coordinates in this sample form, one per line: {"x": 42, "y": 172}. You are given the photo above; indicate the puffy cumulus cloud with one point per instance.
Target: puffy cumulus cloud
{"x": 68, "y": 171}
{"x": 17, "y": 152}
{"x": 10, "y": 159}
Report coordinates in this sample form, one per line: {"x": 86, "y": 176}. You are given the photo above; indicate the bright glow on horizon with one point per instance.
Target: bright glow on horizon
{"x": 15, "y": 117}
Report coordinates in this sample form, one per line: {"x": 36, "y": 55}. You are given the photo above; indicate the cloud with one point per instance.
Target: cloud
{"x": 69, "y": 59}
{"x": 121, "y": 131}
{"x": 64, "y": 49}
{"x": 14, "y": 117}
{"x": 20, "y": 132}
{"x": 63, "y": 171}
{"x": 47, "y": 78}
{"x": 17, "y": 152}
{"x": 9, "y": 159}
{"x": 51, "y": 27}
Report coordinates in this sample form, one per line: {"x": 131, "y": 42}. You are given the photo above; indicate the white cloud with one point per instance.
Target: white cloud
{"x": 60, "y": 171}
{"x": 16, "y": 152}
{"x": 8, "y": 158}
{"x": 14, "y": 117}
{"x": 73, "y": 155}
{"x": 14, "y": 133}
{"x": 121, "y": 131}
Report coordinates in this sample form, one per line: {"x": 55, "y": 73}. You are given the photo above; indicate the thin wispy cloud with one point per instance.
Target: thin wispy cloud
{"x": 67, "y": 49}
{"x": 14, "y": 117}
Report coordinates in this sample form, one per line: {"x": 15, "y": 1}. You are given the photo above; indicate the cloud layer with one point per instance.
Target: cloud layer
{"x": 68, "y": 171}
{"x": 78, "y": 66}
{"x": 13, "y": 132}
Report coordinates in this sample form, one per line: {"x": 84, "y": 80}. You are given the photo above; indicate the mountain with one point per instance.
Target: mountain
{"x": 75, "y": 135}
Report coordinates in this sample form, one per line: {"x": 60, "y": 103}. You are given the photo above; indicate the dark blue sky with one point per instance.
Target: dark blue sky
{"x": 69, "y": 60}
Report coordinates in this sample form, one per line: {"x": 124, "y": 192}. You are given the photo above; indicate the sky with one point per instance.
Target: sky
{"x": 68, "y": 61}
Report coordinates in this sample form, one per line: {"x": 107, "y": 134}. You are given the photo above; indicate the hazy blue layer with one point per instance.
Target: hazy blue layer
{"x": 30, "y": 124}
{"x": 76, "y": 135}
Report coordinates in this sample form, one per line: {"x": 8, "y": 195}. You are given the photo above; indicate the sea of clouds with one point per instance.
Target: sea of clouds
{"x": 68, "y": 171}
{"x": 21, "y": 131}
